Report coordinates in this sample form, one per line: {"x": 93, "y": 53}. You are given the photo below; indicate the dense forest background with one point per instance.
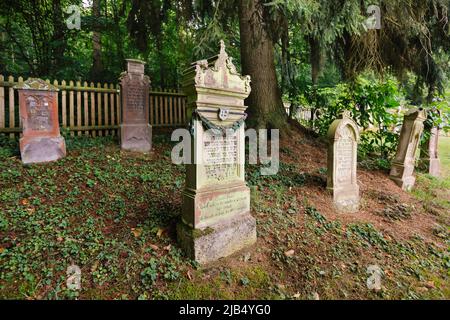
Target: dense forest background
{"x": 293, "y": 49}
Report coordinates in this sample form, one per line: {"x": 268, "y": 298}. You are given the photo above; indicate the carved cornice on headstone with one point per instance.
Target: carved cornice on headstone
{"x": 35, "y": 84}
{"x": 135, "y": 68}
{"x": 416, "y": 114}
{"x": 218, "y": 72}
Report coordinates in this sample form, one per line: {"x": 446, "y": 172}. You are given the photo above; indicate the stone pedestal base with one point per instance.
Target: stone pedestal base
{"x": 42, "y": 149}
{"x": 218, "y": 240}
{"x": 403, "y": 176}
{"x": 136, "y": 137}
{"x": 346, "y": 199}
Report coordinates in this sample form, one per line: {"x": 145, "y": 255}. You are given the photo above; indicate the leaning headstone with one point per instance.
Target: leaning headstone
{"x": 343, "y": 137}
{"x": 38, "y": 107}
{"x": 402, "y": 169}
{"x": 216, "y": 220}
{"x": 429, "y": 158}
{"x": 432, "y": 159}
{"x": 135, "y": 129}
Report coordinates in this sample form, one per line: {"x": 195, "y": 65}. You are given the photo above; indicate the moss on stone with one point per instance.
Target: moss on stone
{"x": 197, "y": 233}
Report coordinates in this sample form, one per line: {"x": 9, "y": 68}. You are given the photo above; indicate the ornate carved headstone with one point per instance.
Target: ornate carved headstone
{"x": 135, "y": 129}
{"x": 38, "y": 107}
{"x": 343, "y": 137}
{"x": 402, "y": 168}
{"x": 216, "y": 218}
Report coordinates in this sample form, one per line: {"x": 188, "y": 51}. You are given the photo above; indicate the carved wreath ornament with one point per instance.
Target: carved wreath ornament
{"x": 215, "y": 128}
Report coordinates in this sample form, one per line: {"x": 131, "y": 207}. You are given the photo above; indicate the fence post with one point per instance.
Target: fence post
{"x": 118, "y": 102}
{"x": 105, "y": 102}
{"x": 2, "y": 103}
{"x": 79, "y": 118}
{"x": 64, "y": 104}
{"x": 113, "y": 118}
{"x": 71, "y": 108}
{"x": 86, "y": 108}
{"x": 20, "y": 80}
{"x": 92, "y": 86}
{"x": 161, "y": 108}
{"x": 99, "y": 104}
{"x": 12, "y": 117}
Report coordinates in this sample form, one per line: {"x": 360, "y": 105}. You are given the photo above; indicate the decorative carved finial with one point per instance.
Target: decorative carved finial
{"x": 222, "y": 47}
{"x": 346, "y": 114}
{"x": 219, "y": 72}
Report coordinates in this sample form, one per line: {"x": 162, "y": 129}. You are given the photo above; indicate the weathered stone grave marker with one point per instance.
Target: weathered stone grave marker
{"x": 216, "y": 218}
{"x": 38, "y": 107}
{"x": 429, "y": 157}
{"x": 402, "y": 169}
{"x": 135, "y": 129}
{"x": 343, "y": 137}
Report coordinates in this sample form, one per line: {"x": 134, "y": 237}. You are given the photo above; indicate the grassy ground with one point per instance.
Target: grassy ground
{"x": 444, "y": 155}
{"x": 114, "y": 213}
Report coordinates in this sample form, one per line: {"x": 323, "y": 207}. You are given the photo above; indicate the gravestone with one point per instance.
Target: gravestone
{"x": 135, "y": 129}
{"x": 402, "y": 168}
{"x": 38, "y": 108}
{"x": 216, "y": 218}
{"x": 343, "y": 137}
{"x": 429, "y": 158}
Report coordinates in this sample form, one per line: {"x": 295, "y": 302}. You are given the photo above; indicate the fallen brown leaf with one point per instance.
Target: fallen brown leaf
{"x": 160, "y": 233}
{"x": 136, "y": 232}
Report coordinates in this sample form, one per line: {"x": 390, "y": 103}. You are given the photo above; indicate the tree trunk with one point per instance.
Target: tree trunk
{"x": 59, "y": 37}
{"x": 97, "y": 66}
{"x": 162, "y": 71}
{"x": 257, "y": 56}
{"x": 315, "y": 59}
{"x": 118, "y": 13}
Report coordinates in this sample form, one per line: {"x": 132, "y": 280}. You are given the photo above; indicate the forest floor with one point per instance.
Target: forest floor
{"x": 113, "y": 214}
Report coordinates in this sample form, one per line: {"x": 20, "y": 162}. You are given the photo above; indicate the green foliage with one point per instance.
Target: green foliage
{"x": 373, "y": 104}
{"x": 438, "y": 114}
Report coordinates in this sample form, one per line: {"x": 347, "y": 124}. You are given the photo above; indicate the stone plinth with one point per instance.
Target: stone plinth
{"x": 135, "y": 129}
{"x": 216, "y": 220}
{"x": 402, "y": 168}
{"x": 38, "y": 107}
{"x": 343, "y": 137}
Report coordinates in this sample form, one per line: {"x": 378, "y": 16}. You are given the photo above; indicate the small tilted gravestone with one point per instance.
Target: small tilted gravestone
{"x": 402, "y": 168}
{"x": 429, "y": 157}
{"x": 343, "y": 137}
{"x": 38, "y": 107}
{"x": 216, "y": 220}
{"x": 135, "y": 128}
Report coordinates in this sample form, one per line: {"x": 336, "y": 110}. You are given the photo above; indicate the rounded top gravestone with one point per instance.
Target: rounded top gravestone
{"x": 343, "y": 136}
{"x": 343, "y": 125}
